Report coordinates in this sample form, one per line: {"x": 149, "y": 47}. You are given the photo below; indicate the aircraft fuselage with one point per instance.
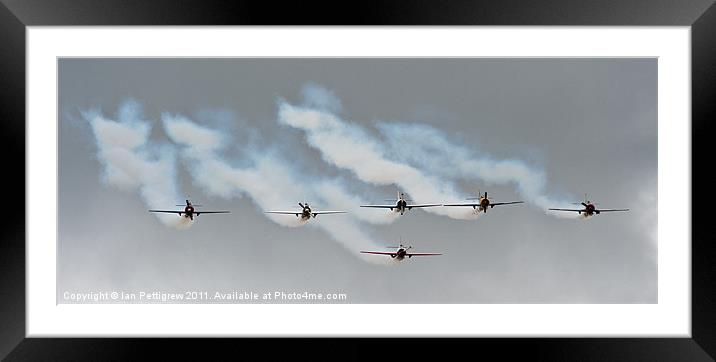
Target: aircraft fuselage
{"x": 589, "y": 210}
{"x": 484, "y": 204}
{"x": 188, "y": 212}
{"x": 401, "y": 206}
{"x": 400, "y": 254}
{"x": 305, "y": 214}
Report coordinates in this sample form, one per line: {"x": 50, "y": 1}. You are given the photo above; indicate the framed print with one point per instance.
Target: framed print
{"x": 269, "y": 181}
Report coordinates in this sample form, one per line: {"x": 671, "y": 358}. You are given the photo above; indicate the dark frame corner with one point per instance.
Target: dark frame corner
{"x": 15, "y": 15}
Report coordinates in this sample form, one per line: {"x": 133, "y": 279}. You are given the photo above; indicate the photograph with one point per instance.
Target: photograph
{"x": 357, "y": 180}
{"x": 205, "y": 178}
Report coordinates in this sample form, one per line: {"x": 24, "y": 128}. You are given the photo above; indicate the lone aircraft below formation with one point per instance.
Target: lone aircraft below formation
{"x": 401, "y": 252}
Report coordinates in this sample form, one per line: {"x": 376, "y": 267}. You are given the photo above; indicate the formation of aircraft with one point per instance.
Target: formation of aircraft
{"x": 483, "y": 203}
{"x": 588, "y": 208}
{"x": 400, "y": 253}
{"x": 305, "y": 213}
{"x": 400, "y": 205}
{"x": 189, "y": 211}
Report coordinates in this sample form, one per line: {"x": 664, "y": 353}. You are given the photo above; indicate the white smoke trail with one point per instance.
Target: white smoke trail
{"x": 350, "y": 147}
{"x": 270, "y": 181}
{"x": 130, "y": 164}
{"x": 337, "y": 195}
{"x": 418, "y": 158}
{"x": 319, "y": 97}
{"x": 432, "y": 148}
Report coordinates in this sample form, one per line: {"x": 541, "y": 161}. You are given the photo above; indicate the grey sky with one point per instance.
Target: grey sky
{"x": 589, "y": 124}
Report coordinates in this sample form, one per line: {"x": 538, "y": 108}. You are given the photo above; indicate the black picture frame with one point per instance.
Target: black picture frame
{"x": 16, "y": 15}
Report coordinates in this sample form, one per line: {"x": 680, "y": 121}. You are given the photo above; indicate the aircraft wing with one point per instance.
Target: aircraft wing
{"x": 378, "y": 252}
{"x": 470, "y": 205}
{"x": 394, "y": 253}
{"x": 211, "y": 212}
{"x": 285, "y": 212}
{"x": 169, "y": 211}
{"x": 608, "y": 210}
{"x": 506, "y": 203}
{"x": 328, "y": 212}
{"x": 575, "y": 210}
{"x": 380, "y": 206}
{"x": 422, "y": 205}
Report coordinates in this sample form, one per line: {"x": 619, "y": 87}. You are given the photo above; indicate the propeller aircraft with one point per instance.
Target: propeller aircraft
{"x": 589, "y": 208}
{"x": 401, "y": 205}
{"x": 483, "y": 203}
{"x": 306, "y": 212}
{"x": 189, "y": 211}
